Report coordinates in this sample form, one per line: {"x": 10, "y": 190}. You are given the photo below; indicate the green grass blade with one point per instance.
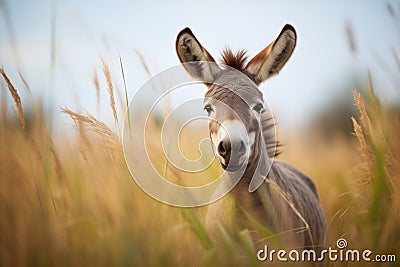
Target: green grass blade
{"x": 126, "y": 97}
{"x": 197, "y": 227}
{"x": 263, "y": 230}
{"x": 247, "y": 243}
{"x": 380, "y": 202}
{"x": 226, "y": 239}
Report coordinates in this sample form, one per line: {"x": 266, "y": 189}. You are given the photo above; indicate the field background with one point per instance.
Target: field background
{"x": 67, "y": 197}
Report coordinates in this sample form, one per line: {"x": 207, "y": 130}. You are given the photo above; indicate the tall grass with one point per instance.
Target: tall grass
{"x": 16, "y": 97}
{"x": 110, "y": 87}
{"x": 75, "y": 204}
{"x": 378, "y": 172}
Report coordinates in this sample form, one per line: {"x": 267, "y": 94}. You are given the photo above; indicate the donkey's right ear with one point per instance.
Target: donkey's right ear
{"x": 195, "y": 58}
{"x": 272, "y": 58}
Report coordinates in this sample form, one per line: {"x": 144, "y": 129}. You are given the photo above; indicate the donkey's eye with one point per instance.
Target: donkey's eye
{"x": 208, "y": 109}
{"x": 258, "y": 108}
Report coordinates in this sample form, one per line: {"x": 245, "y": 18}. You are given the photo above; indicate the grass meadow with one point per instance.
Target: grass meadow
{"x": 75, "y": 203}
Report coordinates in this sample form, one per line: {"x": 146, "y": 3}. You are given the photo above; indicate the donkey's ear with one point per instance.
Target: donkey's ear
{"x": 272, "y": 58}
{"x": 195, "y": 58}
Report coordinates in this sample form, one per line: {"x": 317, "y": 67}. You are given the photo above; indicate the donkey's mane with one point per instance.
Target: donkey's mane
{"x": 274, "y": 146}
{"x": 235, "y": 60}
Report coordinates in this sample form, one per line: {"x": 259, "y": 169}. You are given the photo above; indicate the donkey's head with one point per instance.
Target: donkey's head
{"x": 233, "y": 102}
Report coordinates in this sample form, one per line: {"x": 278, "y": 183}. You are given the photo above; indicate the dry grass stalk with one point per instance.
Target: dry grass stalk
{"x": 35, "y": 148}
{"x": 107, "y": 75}
{"x": 28, "y": 88}
{"x": 16, "y": 98}
{"x": 144, "y": 64}
{"x": 289, "y": 202}
{"x": 109, "y": 138}
{"x": 57, "y": 161}
{"x": 362, "y": 132}
{"x": 97, "y": 87}
{"x": 365, "y": 122}
{"x": 366, "y": 154}
{"x": 396, "y": 57}
{"x": 350, "y": 37}
{"x": 146, "y": 68}
{"x": 83, "y": 144}
{"x": 3, "y": 115}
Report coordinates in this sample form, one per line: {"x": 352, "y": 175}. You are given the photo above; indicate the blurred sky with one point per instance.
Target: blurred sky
{"x": 84, "y": 31}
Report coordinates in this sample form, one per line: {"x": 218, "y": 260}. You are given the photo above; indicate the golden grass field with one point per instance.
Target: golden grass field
{"x": 75, "y": 204}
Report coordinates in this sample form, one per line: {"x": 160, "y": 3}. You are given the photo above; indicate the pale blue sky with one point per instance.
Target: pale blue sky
{"x": 86, "y": 30}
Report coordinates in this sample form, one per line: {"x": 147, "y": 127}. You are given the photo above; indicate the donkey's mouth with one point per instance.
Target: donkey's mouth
{"x": 232, "y": 168}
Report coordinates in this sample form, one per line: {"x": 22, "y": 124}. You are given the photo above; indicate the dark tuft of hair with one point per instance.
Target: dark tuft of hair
{"x": 235, "y": 60}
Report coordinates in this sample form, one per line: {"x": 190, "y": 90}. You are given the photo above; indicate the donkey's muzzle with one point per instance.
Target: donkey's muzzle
{"x": 232, "y": 151}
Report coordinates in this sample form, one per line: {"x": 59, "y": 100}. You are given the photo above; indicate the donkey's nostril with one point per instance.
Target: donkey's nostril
{"x": 242, "y": 148}
{"x": 224, "y": 148}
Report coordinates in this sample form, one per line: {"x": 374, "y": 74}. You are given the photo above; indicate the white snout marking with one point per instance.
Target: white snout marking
{"x": 233, "y": 130}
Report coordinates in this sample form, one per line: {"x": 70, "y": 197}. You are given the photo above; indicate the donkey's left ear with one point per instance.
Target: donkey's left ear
{"x": 272, "y": 58}
{"x": 195, "y": 58}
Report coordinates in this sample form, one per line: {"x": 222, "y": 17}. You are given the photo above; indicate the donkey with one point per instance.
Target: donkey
{"x": 242, "y": 132}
